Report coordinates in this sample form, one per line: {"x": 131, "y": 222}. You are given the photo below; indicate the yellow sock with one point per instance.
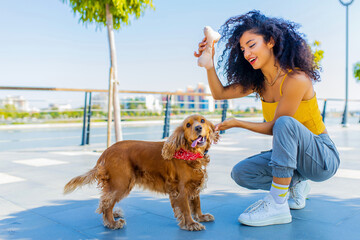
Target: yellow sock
{"x": 279, "y": 192}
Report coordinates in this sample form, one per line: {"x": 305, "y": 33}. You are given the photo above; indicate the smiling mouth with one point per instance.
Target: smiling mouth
{"x": 252, "y": 60}
{"x": 199, "y": 141}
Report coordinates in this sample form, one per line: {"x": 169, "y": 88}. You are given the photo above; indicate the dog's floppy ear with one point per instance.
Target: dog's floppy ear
{"x": 214, "y": 136}
{"x": 173, "y": 143}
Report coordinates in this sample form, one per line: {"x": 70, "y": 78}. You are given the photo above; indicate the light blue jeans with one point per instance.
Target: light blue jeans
{"x": 296, "y": 153}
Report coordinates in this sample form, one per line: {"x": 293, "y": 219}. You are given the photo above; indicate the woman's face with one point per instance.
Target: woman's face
{"x": 256, "y": 51}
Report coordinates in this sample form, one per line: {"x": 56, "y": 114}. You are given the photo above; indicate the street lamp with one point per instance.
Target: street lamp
{"x": 346, "y": 4}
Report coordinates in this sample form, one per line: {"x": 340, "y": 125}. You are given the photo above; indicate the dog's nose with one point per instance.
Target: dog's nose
{"x": 198, "y": 128}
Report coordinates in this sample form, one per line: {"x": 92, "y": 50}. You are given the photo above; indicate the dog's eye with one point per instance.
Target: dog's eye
{"x": 188, "y": 125}
{"x": 202, "y": 120}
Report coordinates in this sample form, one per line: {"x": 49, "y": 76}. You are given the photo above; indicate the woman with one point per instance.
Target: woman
{"x": 269, "y": 57}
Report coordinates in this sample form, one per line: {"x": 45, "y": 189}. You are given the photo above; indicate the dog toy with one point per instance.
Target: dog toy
{"x": 205, "y": 60}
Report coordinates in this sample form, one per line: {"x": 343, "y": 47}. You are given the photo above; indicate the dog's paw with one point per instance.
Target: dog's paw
{"x": 206, "y": 218}
{"x": 118, "y": 213}
{"x": 116, "y": 224}
{"x": 195, "y": 226}
{"x": 120, "y": 224}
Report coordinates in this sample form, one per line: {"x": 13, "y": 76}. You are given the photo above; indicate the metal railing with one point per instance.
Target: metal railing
{"x": 221, "y": 108}
{"x": 87, "y": 112}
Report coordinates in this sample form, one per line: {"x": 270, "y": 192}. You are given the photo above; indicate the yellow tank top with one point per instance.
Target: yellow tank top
{"x": 308, "y": 113}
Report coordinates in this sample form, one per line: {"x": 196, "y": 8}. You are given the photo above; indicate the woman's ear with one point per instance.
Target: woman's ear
{"x": 173, "y": 143}
{"x": 271, "y": 43}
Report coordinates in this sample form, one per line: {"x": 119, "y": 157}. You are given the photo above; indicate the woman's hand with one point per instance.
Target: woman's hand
{"x": 227, "y": 124}
{"x": 202, "y": 46}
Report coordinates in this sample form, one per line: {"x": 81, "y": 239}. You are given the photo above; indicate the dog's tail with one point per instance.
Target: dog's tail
{"x": 81, "y": 180}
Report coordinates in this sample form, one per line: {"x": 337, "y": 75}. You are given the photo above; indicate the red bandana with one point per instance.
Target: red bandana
{"x": 185, "y": 155}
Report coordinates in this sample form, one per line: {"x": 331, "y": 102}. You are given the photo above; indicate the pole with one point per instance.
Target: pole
{"x": 84, "y": 121}
{"x": 324, "y": 111}
{"x": 166, "y": 131}
{"x": 223, "y": 115}
{"x": 88, "y": 121}
{"x": 344, "y": 119}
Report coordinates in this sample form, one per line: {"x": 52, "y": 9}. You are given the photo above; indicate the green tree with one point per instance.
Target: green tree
{"x": 357, "y": 71}
{"x": 318, "y": 53}
{"x": 10, "y": 108}
{"x": 96, "y": 106}
{"x": 113, "y": 14}
{"x": 136, "y": 103}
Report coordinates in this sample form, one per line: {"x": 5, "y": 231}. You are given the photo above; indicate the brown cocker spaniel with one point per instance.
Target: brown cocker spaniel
{"x": 176, "y": 167}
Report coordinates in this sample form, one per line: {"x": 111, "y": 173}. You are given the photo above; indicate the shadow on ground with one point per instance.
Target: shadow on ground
{"x": 152, "y": 218}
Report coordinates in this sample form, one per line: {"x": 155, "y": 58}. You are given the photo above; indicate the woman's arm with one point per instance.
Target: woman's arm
{"x": 296, "y": 88}
{"x": 264, "y": 128}
{"x": 219, "y": 92}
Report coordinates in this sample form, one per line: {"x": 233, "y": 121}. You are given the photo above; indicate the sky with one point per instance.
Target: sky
{"x": 44, "y": 45}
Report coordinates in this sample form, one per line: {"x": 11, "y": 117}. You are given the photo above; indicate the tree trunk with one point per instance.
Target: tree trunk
{"x": 110, "y": 98}
{"x": 113, "y": 65}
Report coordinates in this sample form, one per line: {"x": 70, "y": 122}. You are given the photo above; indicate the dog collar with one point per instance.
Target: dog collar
{"x": 187, "y": 155}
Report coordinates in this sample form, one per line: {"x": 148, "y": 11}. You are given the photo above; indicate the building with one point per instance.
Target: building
{"x": 190, "y": 103}
{"x": 180, "y": 102}
{"x": 153, "y": 103}
{"x": 195, "y": 103}
{"x": 148, "y": 102}
{"x": 179, "y": 99}
{"x": 100, "y": 100}
{"x": 60, "y": 107}
{"x": 210, "y": 100}
{"x": 18, "y": 102}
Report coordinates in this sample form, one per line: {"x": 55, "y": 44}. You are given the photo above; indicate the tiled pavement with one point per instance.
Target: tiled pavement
{"x": 32, "y": 205}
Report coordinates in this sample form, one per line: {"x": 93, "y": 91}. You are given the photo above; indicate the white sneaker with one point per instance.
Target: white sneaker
{"x": 298, "y": 194}
{"x": 266, "y": 212}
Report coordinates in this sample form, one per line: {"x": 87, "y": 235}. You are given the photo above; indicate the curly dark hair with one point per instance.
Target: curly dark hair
{"x": 291, "y": 50}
